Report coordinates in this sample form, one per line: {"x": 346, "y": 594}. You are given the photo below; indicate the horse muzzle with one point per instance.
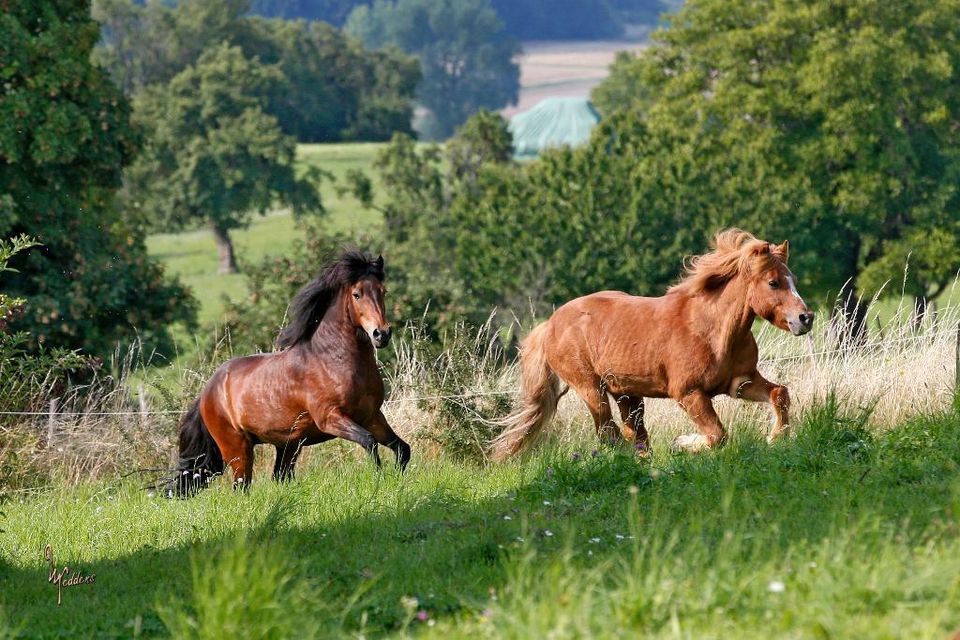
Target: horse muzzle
{"x": 380, "y": 337}
{"x": 801, "y": 323}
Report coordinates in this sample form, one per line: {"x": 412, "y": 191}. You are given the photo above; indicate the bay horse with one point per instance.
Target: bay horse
{"x": 323, "y": 383}
{"x": 692, "y": 344}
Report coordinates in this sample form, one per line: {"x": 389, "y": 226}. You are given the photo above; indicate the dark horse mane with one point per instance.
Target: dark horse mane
{"x": 312, "y": 301}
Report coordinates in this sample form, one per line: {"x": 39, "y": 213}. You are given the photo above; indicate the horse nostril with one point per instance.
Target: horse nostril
{"x": 806, "y": 319}
{"x": 376, "y": 334}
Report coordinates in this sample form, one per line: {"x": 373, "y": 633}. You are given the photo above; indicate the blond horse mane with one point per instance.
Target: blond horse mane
{"x": 734, "y": 252}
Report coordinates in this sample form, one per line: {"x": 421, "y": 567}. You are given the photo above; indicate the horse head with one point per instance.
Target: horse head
{"x": 366, "y": 305}
{"x": 772, "y": 291}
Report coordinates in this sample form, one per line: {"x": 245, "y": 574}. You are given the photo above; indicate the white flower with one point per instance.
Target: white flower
{"x": 507, "y": 518}
{"x": 548, "y": 533}
{"x": 776, "y": 586}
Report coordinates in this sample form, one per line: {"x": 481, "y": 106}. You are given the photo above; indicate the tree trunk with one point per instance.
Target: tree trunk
{"x": 228, "y": 262}
{"x": 921, "y": 305}
{"x": 853, "y": 323}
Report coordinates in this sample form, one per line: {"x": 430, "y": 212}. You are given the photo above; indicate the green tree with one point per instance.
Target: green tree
{"x": 829, "y": 123}
{"x": 334, "y": 89}
{"x": 64, "y": 139}
{"x": 214, "y": 155}
{"x": 526, "y": 237}
{"x": 465, "y": 55}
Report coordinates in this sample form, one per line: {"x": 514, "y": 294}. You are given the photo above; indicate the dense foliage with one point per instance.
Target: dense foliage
{"x": 523, "y": 19}
{"x": 64, "y": 138}
{"x": 465, "y": 55}
{"x": 832, "y": 124}
{"x": 333, "y": 89}
{"x": 214, "y": 154}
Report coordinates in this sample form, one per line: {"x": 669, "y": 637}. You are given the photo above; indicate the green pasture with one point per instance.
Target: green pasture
{"x": 840, "y": 532}
{"x": 192, "y": 255}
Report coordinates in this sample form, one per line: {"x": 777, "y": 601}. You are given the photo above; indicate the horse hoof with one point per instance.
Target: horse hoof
{"x": 691, "y": 442}
{"x": 642, "y": 450}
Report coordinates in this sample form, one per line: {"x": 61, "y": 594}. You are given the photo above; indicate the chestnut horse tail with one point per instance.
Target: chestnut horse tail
{"x": 539, "y": 395}
{"x": 199, "y": 455}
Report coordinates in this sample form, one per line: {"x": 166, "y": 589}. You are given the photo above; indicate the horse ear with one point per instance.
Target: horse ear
{"x": 783, "y": 251}
{"x": 380, "y": 261}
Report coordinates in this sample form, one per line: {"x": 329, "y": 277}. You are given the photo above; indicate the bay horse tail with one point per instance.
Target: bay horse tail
{"x": 199, "y": 455}
{"x": 539, "y": 395}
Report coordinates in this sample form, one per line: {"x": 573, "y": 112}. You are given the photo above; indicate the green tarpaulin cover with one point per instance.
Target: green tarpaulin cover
{"x": 554, "y": 122}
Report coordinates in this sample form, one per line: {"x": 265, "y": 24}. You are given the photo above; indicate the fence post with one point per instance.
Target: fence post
{"x": 51, "y": 422}
{"x": 144, "y": 408}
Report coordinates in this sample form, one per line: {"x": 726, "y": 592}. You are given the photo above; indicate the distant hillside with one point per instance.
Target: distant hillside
{"x": 524, "y": 19}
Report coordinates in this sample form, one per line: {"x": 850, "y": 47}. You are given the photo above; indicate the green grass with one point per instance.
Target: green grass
{"x": 192, "y": 255}
{"x": 838, "y": 532}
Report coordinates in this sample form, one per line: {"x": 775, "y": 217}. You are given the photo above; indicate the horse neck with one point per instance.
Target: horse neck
{"x": 337, "y": 331}
{"x": 728, "y": 318}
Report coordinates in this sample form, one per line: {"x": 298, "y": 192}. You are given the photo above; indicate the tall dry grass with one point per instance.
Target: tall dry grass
{"x": 444, "y": 401}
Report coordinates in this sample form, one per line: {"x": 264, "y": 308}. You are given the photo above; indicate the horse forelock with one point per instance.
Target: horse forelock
{"x": 311, "y": 303}
{"x": 734, "y": 252}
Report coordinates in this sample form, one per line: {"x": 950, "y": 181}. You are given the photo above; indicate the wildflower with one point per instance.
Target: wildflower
{"x": 619, "y": 536}
{"x": 548, "y": 533}
{"x": 594, "y": 540}
{"x": 409, "y": 604}
{"x": 633, "y": 490}
{"x": 776, "y": 586}
{"x": 422, "y": 615}
{"x": 507, "y": 518}
{"x": 575, "y": 456}
{"x": 546, "y": 503}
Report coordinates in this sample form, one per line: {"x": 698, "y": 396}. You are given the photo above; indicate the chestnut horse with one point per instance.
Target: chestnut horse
{"x": 691, "y": 344}
{"x": 324, "y": 383}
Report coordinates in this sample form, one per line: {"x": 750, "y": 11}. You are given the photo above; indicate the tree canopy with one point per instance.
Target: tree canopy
{"x": 829, "y": 123}
{"x": 64, "y": 137}
{"x": 214, "y": 154}
{"x": 465, "y": 55}
{"x": 334, "y": 89}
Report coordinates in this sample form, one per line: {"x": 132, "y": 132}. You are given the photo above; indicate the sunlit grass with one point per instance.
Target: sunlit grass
{"x": 839, "y": 532}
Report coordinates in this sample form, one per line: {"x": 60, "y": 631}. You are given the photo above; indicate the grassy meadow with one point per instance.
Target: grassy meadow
{"x": 849, "y": 529}
{"x": 192, "y": 255}
{"x": 840, "y": 532}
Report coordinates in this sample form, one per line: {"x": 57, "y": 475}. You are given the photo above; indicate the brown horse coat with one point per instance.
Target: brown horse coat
{"x": 325, "y": 383}
{"x": 692, "y": 344}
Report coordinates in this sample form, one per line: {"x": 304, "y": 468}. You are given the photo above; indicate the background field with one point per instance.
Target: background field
{"x": 192, "y": 255}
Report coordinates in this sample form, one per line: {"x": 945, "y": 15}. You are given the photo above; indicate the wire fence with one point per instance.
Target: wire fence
{"x": 863, "y": 348}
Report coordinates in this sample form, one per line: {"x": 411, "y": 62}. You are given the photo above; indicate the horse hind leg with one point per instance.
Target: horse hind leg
{"x": 287, "y": 455}
{"x": 594, "y": 395}
{"x": 236, "y": 447}
{"x": 631, "y": 413}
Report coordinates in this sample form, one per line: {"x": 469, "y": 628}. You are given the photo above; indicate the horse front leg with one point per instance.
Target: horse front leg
{"x": 699, "y": 407}
{"x": 381, "y": 431}
{"x": 756, "y": 388}
{"x": 339, "y": 425}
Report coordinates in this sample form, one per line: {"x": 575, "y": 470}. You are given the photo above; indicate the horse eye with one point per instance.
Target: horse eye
{"x": 356, "y": 295}
{"x": 774, "y": 284}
